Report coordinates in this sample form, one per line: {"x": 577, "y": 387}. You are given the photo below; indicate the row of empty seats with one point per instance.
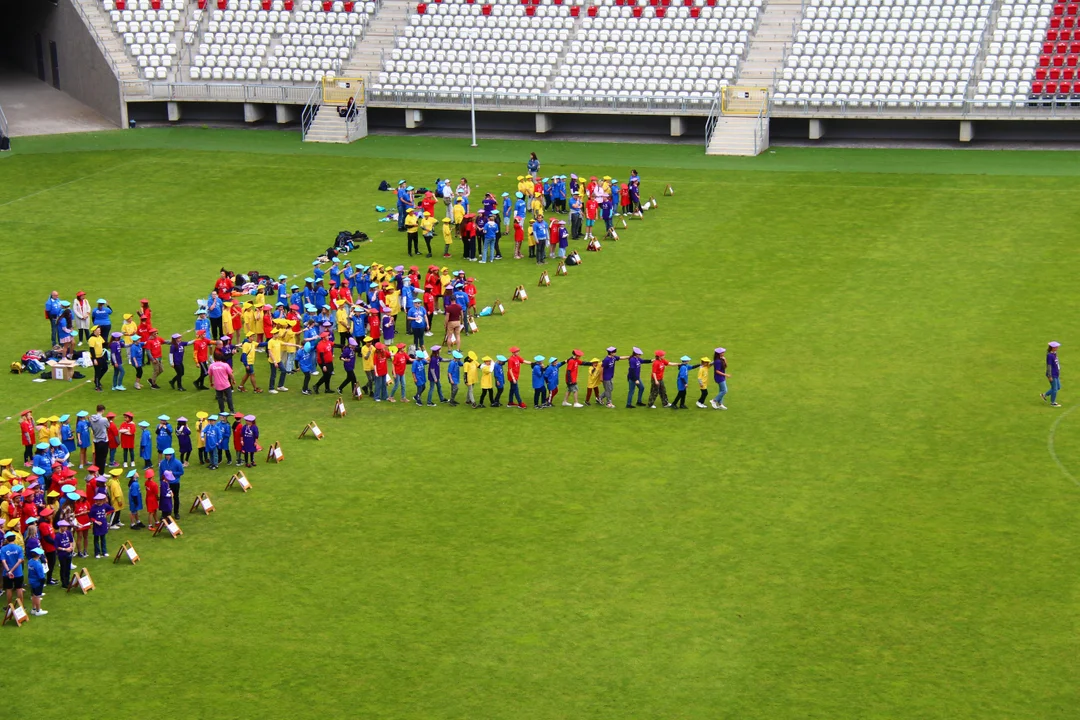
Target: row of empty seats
{"x": 1012, "y": 54}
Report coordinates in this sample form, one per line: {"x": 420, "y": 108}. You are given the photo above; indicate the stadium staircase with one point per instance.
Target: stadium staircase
{"x": 108, "y": 41}
{"x": 749, "y": 135}
{"x": 367, "y": 57}
{"x": 327, "y": 127}
{"x": 765, "y": 56}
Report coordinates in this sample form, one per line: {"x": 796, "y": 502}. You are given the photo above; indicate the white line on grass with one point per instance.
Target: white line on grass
{"x": 1050, "y": 446}
{"x": 68, "y": 182}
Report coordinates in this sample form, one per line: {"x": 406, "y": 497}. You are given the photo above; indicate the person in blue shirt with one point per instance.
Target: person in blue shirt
{"x": 308, "y": 293}
{"x": 551, "y": 379}
{"x": 57, "y": 452}
{"x": 500, "y": 379}
{"x": 305, "y": 360}
{"x": 335, "y": 271}
{"x": 453, "y": 374}
{"x": 317, "y": 271}
{"x": 201, "y": 321}
{"x": 538, "y": 386}
{"x": 419, "y": 371}
{"x": 136, "y": 358}
{"x": 11, "y": 558}
{"x": 164, "y": 435}
{"x": 491, "y": 228}
{"x": 169, "y": 462}
{"x": 135, "y": 501}
{"x": 681, "y": 382}
{"x": 533, "y": 165}
{"x": 52, "y": 313}
{"x": 507, "y": 207}
{"x": 540, "y": 232}
{"x": 82, "y": 436}
{"x": 321, "y": 294}
{"x": 101, "y": 316}
{"x": 43, "y": 460}
{"x": 146, "y": 445}
{"x": 66, "y": 435}
{"x": 1053, "y": 374}
{"x": 418, "y": 324}
{"x": 295, "y": 298}
{"x": 215, "y": 306}
{"x": 404, "y": 202}
{"x": 575, "y": 217}
{"x": 36, "y": 572}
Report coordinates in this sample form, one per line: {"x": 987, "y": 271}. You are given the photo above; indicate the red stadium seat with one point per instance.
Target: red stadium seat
{"x": 222, "y": 4}
{"x": 1071, "y": 61}
{"x": 155, "y": 4}
{"x": 289, "y": 5}
{"x": 1048, "y": 48}
{"x": 1070, "y": 10}
{"x": 1059, "y": 10}
{"x": 120, "y": 4}
{"x": 1044, "y": 61}
{"x": 1068, "y": 22}
{"x": 531, "y": 11}
{"x": 591, "y": 11}
{"x": 1068, "y": 73}
{"x": 349, "y": 5}
{"x": 575, "y": 11}
{"x": 421, "y": 8}
{"x": 485, "y": 10}
{"x": 1040, "y": 74}
{"x": 1051, "y": 88}
{"x": 659, "y": 12}
{"x": 637, "y": 11}
{"x": 695, "y": 12}
{"x": 1052, "y": 35}
{"x": 1036, "y": 88}
{"x": 1065, "y": 88}
{"x": 1059, "y": 60}
{"x": 1055, "y": 74}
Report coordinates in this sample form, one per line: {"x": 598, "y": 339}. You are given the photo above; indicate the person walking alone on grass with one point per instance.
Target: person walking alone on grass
{"x": 1053, "y": 374}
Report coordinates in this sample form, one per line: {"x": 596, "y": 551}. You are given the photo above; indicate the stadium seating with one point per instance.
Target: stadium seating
{"x": 149, "y": 29}
{"x": 1012, "y": 54}
{"x": 1056, "y": 72}
{"x": 895, "y": 54}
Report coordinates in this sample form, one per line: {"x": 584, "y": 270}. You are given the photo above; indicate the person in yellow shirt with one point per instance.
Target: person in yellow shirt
{"x": 7, "y": 471}
{"x": 129, "y": 328}
{"x": 227, "y": 327}
{"x": 200, "y": 423}
{"x": 342, "y": 322}
{"x": 521, "y": 184}
{"x": 447, "y": 236}
{"x": 247, "y": 357}
{"x": 275, "y": 348}
{"x": 704, "y": 370}
{"x": 257, "y": 318}
{"x": 487, "y": 381}
{"x": 427, "y": 227}
{"x": 471, "y": 372}
{"x": 459, "y": 216}
{"x": 98, "y": 355}
{"x": 537, "y": 207}
{"x": 367, "y": 357}
{"x": 596, "y": 374}
{"x": 412, "y": 237}
{"x": 116, "y": 497}
{"x": 530, "y": 187}
{"x": 54, "y": 427}
{"x": 247, "y": 318}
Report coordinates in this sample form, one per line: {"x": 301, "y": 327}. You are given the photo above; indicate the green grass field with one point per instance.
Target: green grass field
{"x": 875, "y": 529}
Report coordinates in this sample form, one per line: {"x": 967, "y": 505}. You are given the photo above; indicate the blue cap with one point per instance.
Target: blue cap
{"x": 282, "y": 277}
{"x": 133, "y": 473}
{"x": 307, "y": 280}
{"x": 314, "y": 263}
{"x": 55, "y": 442}
{"x": 144, "y": 424}
{"x": 336, "y": 261}
{"x": 82, "y": 413}
{"x": 410, "y": 188}
{"x": 102, "y": 301}
{"x": 519, "y": 195}
{"x": 420, "y": 354}
{"x": 42, "y": 446}
{"x": 506, "y": 194}
{"x": 552, "y": 360}
{"x": 17, "y": 487}
{"x": 684, "y": 358}
{"x": 67, "y": 487}
{"x": 65, "y": 417}
{"x": 37, "y": 471}
{"x": 168, "y": 451}
{"x": 37, "y": 550}
{"x": 9, "y": 534}
{"x": 538, "y": 358}
{"x": 72, "y": 496}
{"x": 163, "y": 417}
{"x": 456, "y": 355}
{"x": 500, "y": 358}
{"x": 65, "y": 303}
{"x": 213, "y": 417}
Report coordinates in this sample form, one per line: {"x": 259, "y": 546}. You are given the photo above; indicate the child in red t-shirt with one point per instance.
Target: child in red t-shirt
{"x": 127, "y": 439}
{"x": 656, "y": 380}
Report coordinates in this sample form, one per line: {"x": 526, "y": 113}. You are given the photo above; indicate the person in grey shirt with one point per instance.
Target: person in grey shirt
{"x": 99, "y": 434}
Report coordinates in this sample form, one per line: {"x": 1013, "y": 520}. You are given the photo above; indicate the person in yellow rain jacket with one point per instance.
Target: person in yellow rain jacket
{"x": 367, "y": 359}
{"x": 487, "y": 380}
{"x": 247, "y": 357}
{"x": 521, "y": 184}
{"x": 447, "y": 238}
{"x": 427, "y": 229}
{"x": 342, "y": 322}
{"x": 248, "y": 319}
{"x": 200, "y": 423}
{"x": 116, "y": 497}
{"x": 530, "y": 187}
{"x": 471, "y": 375}
{"x": 703, "y": 373}
{"x": 596, "y": 374}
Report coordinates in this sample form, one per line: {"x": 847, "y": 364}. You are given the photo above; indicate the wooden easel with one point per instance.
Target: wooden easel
{"x": 313, "y": 428}
{"x": 126, "y": 548}
{"x": 168, "y": 523}
{"x": 274, "y": 453}
{"x": 560, "y": 269}
{"x": 239, "y": 479}
{"x": 498, "y": 307}
{"x": 668, "y": 190}
{"x": 519, "y": 294}
{"x": 16, "y": 613}
{"x": 357, "y": 392}
{"x": 202, "y": 500}
{"x": 545, "y": 279}
{"x": 82, "y": 580}
{"x": 339, "y": 408}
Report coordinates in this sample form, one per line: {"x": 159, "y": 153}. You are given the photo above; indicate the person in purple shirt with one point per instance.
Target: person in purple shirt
{"x": 633, "y": 375}
{"x": 607, "y": 369}
{"x": 176, "y": 357}
{"x": 434, "y": 375}
{"x": 1053, "y": 374}
{"x": 249, "y": 435}
{"x": 99, "y": 518}
{"x": 348, "y": 361}
{"x": 116, "y": 357}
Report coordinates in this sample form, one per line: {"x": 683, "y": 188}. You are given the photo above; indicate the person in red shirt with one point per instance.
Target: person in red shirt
{"x": 428, "y": 203}
{"x": 153, "y": 349}
{"x": 224, "y": 286}
{"x": 324, "y": 355}
{"x": 591, "y": 208}
{"x": 572, "y": 365}
{"x": 114, "y": 439}
{"x": 335, "y": 295}
{"x": 238, "y": 438}
{"x": 236, "y": 312}
{"x": 513, "y": 373}
{"x": 374, "y": 328}
{"x": 429, "y": 305}
{"x": 48, "y": 541}
{"x": 82, "y": 524}
{"x": 401, "y": 364}
{"x": 127, "y": 439}
{"x": 27, "y": 436}
{"x": 381, "y": 359}
{"x": 145, "y": 314}
{"x": 151, "y": 497}
{"x": 656, "y": 386}
{"x": 200, "y": 348}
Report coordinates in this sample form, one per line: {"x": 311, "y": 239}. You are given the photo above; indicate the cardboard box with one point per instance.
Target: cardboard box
{"x": 62, "y": 369}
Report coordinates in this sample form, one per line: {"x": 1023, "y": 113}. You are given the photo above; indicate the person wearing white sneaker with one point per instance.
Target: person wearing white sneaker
{"x": 573, "y": 363}
{"x": 704, "y": 370}
{"x": 1053, "y": 373}
{"x": 36, "y": 577}
{"x": 720, "y": 375}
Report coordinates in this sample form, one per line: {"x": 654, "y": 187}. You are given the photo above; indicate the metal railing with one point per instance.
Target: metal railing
{"x": 353, "y": 124}
{"x": 97, "y": 38}
{"x": 761, "y": 133}
{"x": 311, "y": 109}
{"x": 3, "y": 124}
{"x": 540, "y": 101}
{"x": 216, "y": 92}
{"x": 1028, "y": 109}
{"x": 714, "y": 116}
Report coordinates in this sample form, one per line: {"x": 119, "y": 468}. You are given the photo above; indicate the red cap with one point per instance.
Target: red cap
{"x": 514, "y": 349}
{"x": 110, "y": 415}
{"x": 578, "y": 353}
{"x": 144, "y": 301}
{"x": 129, "y": 414}
{"x": 80, "y": 293}
{"x": 92, "y": 468}
{"x": 25, "y": 412}
{"x": 379, "y": 346}
{"x": 660, "y": 353}
{"x": 46, "y": 512}
{"x": 149, "y": 473}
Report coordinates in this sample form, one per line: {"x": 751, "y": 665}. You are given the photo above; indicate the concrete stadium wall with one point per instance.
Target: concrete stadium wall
{"x": 84, "y": 72}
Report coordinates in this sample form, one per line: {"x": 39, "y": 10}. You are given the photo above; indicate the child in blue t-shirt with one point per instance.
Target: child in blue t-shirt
{"x": 146, "y": 445}
{"x": 36, "y": 571}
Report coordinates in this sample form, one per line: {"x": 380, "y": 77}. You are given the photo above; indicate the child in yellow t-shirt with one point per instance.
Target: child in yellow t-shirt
{"x": 703, "y": 380}
{"x": 471, "y": 372}
{"x": 596, "y": 372}
{"x": 427, "y": 229}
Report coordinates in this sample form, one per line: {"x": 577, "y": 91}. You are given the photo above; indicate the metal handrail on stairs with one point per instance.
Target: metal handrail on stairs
{"x": 311, "y": 109}
{"x": 352, "y": 125}
{"x": 714, "y": 116}
{"x": 97, "y": 38}
{"x": 759, "y": 132}
{"x": 3, "y": 124}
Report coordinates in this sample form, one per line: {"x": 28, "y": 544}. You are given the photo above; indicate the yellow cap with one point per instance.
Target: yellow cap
{"x": 115, "y": 472}
{"x": 472, "y": 355}
{"x": 5, "y": 461}
{"x": 54, "y": 418}
{"x": 13, "y": 522}
{"x": 202, "y": 414}
{"x": 487, "y": 358}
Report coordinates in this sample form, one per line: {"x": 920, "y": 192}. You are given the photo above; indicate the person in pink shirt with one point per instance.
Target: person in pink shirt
{"x": 222, "y": 380}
